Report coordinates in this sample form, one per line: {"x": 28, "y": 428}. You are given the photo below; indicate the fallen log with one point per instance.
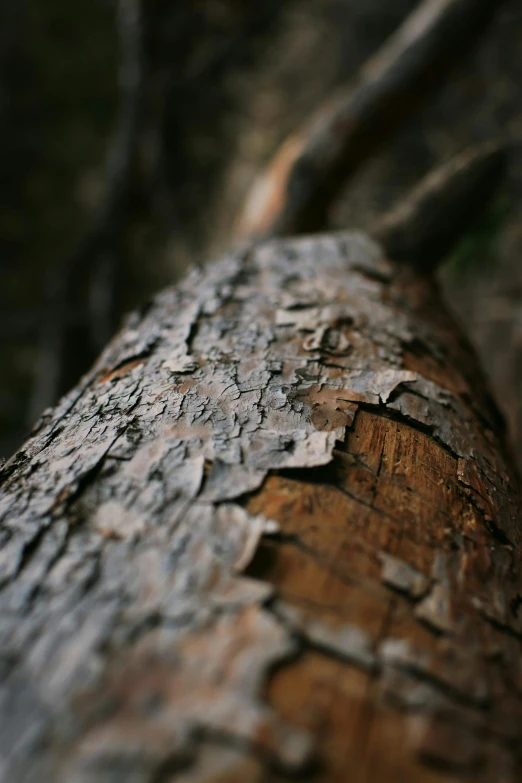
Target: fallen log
{"x": 274, "y": 533}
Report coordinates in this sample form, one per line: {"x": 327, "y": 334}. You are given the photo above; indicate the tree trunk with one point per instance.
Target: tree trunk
{"x": 273, "y": 533}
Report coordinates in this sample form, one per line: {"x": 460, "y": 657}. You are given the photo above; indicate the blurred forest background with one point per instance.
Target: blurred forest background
{"x": 132, "y": 129}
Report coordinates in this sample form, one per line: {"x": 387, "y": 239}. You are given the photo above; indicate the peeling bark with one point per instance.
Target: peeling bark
{"x": 274, "y": 532}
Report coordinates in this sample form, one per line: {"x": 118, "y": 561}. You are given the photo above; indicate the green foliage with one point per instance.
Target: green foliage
{"x": 478, "y": 249}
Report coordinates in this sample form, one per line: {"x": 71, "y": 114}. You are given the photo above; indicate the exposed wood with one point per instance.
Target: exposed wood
{"x": 275, "y": 532}
{"x": 424, "y": 226}
{"x": 296, "y": 192}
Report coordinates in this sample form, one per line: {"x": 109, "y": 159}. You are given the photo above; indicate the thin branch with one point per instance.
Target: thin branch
{"x": 425, "y": 225}
{"x": 304, "y": 178}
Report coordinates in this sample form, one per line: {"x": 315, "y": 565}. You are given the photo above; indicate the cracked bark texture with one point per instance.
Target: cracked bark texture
{"x": 272, "y": 534}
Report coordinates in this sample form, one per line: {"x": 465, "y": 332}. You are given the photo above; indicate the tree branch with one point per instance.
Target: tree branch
{"x": 306, "y": 174}
{"x": 424, "y": 226}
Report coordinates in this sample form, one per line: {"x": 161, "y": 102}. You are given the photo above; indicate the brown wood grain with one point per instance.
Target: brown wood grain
{"x": 393, "y": 492}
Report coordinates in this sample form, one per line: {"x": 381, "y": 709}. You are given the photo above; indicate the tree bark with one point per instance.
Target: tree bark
{"x": 273, "y": 534}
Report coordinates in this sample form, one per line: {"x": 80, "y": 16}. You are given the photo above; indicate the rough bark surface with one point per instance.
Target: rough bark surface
{"x": 273, "y": 533}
